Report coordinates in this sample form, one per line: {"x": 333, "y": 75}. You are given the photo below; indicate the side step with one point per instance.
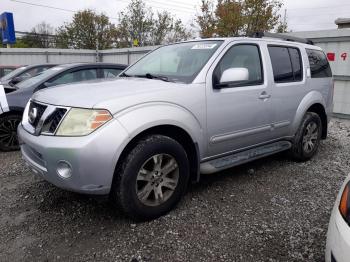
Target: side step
{"x": 236, "y": 159}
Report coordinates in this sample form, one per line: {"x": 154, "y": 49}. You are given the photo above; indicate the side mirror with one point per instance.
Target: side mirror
{"x": 236, "y": 74}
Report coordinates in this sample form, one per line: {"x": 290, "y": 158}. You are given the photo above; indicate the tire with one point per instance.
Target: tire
{"x": 8, "y": 132}
{"x": 305, "y": 144}
{"x": 152, "y": 178}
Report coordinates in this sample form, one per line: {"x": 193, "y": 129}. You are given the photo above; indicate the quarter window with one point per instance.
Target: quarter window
{"x": 286, "y": 64}
{"x": 319, "y": 65}
{"x": 241, "y": 56}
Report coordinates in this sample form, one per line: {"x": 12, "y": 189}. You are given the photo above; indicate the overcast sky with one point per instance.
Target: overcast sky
{"x": 302, "y": 15}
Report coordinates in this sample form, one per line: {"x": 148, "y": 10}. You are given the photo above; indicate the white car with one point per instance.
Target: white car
{"x": 338, "y": 237}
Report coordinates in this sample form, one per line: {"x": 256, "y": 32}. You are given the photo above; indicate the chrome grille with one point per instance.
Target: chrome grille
{"x": 39, "y": 118}
{"x": 52, "y": 122}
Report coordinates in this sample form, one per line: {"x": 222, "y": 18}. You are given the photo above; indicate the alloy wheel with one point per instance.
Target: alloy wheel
{"x": 157, "y": 179}
{"x": 310, "y": 137}
{"x": 8, "y": 133}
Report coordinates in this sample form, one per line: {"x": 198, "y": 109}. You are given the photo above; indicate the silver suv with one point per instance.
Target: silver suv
{"x": 184, "y": 109}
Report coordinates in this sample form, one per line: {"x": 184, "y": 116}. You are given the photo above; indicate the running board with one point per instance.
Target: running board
{"x": 236, "y": 159}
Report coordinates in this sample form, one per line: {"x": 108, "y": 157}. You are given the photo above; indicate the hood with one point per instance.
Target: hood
{"x": 106, "y": 93}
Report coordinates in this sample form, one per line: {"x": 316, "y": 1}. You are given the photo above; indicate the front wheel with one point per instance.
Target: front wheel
{"x": 8, "y": 132}
{"x": 308, "y": 137}
{"x": 152, "y": 178}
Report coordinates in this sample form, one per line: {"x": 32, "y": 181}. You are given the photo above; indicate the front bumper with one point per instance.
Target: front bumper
{"x": 92, "y": 158}
{"x": 338, "y": 239}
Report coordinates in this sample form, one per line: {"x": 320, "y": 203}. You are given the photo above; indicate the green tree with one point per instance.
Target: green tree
{"x": 88, "y": 30}
{"x": 139, "y": 23}
{"x": 238, "y": 17}
{"x": 135, "y": 23}
{"x": 41, "y": 36}
{"x": 282, "y": 27}
{"x": 20, "y": 44}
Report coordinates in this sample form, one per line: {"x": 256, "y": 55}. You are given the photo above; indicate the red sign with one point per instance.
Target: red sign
{"x": 331, "y": 56}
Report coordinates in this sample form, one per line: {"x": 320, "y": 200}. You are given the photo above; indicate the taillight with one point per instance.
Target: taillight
{"x": 344, "y": 206}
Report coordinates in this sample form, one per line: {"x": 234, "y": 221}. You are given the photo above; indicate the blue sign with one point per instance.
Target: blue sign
{"x": 7, "y": 28}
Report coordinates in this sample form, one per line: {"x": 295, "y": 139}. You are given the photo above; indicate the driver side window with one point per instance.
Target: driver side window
{"x": 244, "y": 57}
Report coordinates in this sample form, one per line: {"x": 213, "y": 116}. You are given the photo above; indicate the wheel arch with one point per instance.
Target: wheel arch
{"x": 320, "y": 110}
{"x": 175, "y": 132}
{"x": 312, "y": 102}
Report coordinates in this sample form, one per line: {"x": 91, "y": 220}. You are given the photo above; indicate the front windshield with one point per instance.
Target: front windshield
{"x": 177, "y": 63}
{"x": 38, "y": 78}
{"x": 13, "y": 73}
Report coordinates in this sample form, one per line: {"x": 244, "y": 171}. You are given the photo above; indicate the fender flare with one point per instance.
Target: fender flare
{"x": 313, "y": 97}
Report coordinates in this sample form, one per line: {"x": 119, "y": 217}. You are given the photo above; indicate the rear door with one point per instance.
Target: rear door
{"x": 288, "y": 86}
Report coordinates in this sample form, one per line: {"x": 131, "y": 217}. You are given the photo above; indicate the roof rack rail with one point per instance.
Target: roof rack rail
{"x": 283, "y": 37}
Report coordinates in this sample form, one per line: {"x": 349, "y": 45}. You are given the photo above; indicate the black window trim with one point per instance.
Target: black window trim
{"x": 239, "y": 83}
{"x": 290, "y": 59}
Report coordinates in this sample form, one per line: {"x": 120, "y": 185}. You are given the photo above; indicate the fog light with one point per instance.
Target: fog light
{"x": 64, "y": 169}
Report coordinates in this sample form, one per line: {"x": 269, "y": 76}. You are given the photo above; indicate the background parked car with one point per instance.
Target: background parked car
{"x": 338, "y": 237}
{"x": 14, "y": 98}
{"x": 22, "y": 73}
{"x": 6, "y": 69}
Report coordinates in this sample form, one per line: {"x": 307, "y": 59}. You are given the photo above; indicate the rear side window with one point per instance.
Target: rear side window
{"x": 286, "y": 64}
{"x": 319, "y": 65}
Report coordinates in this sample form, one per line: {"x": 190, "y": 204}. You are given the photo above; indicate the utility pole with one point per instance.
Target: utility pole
{"x": 285, "y": 17}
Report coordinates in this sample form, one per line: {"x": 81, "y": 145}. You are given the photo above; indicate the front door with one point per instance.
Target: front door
{"x": 238, "y": 112}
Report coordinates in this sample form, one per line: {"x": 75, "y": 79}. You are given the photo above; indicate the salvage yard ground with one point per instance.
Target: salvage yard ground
{"x": 273, "y": 209}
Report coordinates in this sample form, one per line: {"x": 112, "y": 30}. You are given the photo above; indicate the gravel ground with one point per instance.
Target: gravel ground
{"x": 269, "y": 210}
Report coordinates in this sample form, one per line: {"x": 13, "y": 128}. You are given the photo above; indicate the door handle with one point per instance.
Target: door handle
{"x": 264, "y": 95}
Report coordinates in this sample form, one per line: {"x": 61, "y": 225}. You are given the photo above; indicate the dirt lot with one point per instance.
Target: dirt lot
{"x": 270, "y": 210}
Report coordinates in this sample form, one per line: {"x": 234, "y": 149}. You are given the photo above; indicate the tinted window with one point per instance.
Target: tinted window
{"x": 76, "y": 76}
{"x": 111, "y": 72}
{"x": 281, "y": 64}
{"x": 286, "y": 64}
{"x": 241, "y": 56}
{"x": 296, "y": 63}
{"x": 319, "y": 65}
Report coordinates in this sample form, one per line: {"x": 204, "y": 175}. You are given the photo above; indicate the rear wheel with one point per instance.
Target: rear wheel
{"x": 8, "y": 132}
{"x": 308, "y": 137}
{"x": 152, "y": 178}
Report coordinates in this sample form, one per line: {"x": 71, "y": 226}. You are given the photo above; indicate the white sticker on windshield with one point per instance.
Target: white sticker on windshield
{"x": 56, "y": 68}
{"x": 203, "y": 46}
{"x": 4, "y": 107}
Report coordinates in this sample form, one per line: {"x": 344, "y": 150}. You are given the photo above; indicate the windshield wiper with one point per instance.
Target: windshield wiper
{"x": 151, "y": 76}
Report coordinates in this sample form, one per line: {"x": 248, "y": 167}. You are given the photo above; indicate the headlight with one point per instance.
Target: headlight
{"x": 81, "y": 122}
{"x": 344, "y": 206}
